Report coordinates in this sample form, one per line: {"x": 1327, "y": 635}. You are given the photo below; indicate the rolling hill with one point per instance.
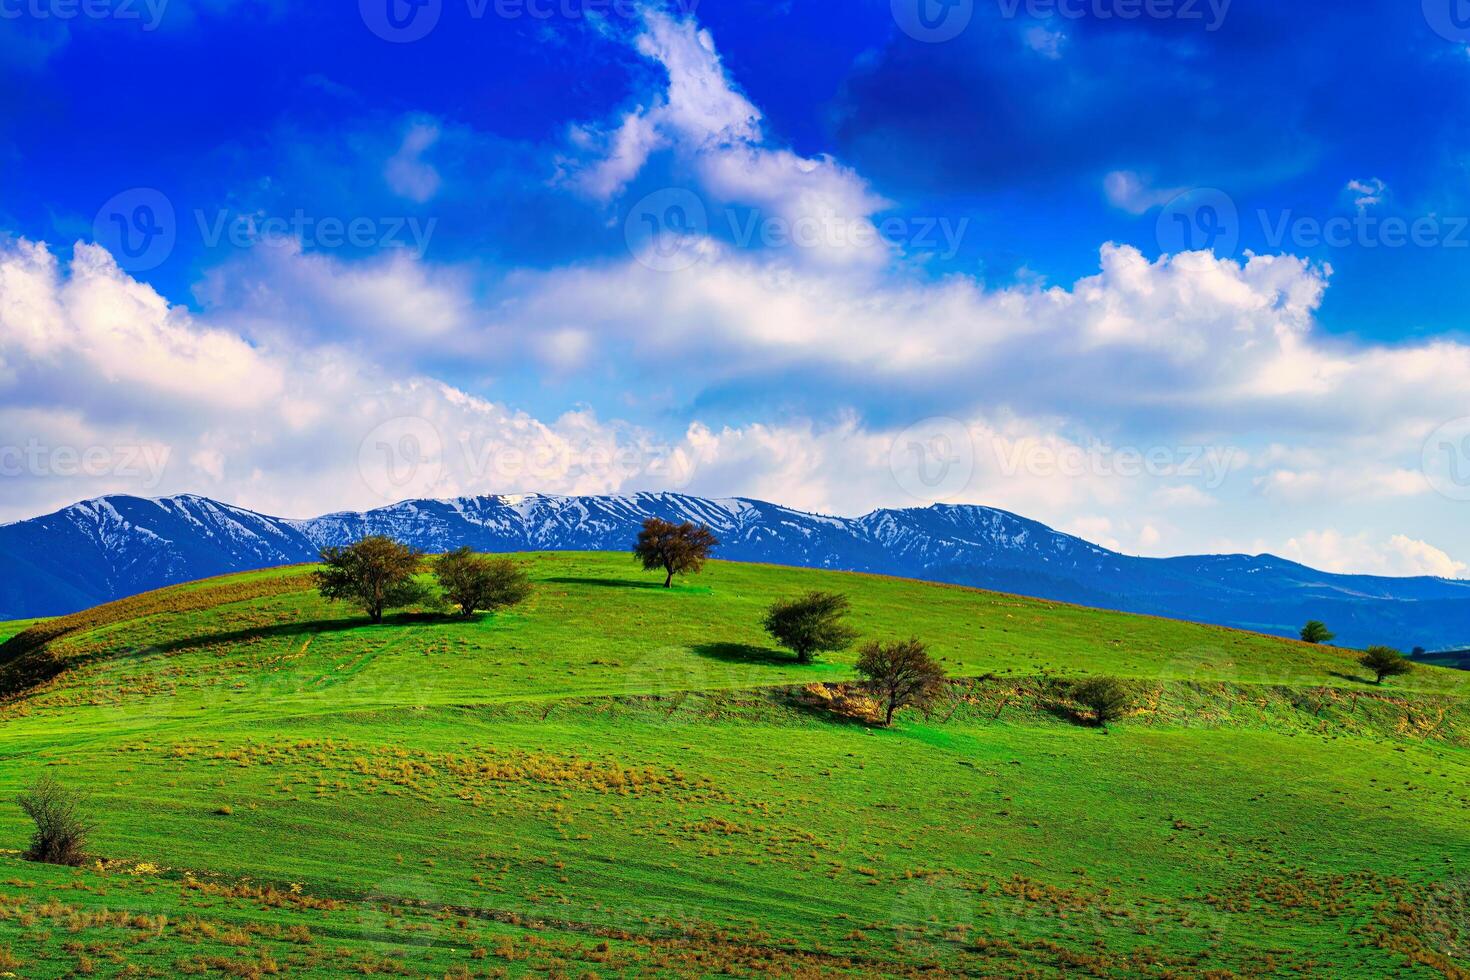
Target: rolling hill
{"x": 616, "y": 779}
{"x": 117, "y": 546}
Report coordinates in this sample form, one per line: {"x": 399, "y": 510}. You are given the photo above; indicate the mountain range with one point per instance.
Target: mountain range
{"x": 116, "y": 546}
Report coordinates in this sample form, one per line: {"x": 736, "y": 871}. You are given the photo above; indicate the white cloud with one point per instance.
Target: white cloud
{"x": 1366, "y": 193}
{"x": 108, "y": 388}
{"x": 703, "y": 116}
{"x": 1334, "y": 551}
{"x": 406, "y": 171}
{"x": 392, "y": 299}
{"x": 65, "y": 336}
{"x": 1185, "y": 495}
{"x": 623, "y": 152}
{"x": 1135, "y": 194}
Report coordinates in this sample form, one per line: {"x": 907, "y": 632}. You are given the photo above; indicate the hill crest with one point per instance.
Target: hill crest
{"x": 114, "y": 546}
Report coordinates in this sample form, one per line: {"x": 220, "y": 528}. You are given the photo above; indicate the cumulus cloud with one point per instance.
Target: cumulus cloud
{"x": 107, "y": 387}
{"x": 1334, "y": 551}
{"x": 392, "y": 299}
{"x": 702, "y": 115}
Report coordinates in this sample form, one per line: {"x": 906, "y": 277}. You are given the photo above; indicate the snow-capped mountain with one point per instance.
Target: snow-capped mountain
{"x": 116, "y": 546}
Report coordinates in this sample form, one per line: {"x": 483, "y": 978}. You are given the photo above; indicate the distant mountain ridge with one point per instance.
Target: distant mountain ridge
{"x": 115, "y": 546}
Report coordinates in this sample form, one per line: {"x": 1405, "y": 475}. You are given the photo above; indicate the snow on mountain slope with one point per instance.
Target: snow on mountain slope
{"x": 115, "y": 546}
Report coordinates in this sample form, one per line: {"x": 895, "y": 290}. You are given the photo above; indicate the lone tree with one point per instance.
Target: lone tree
{"x": 1107, "y": 697}
{"x": 61, "y": 830}
{"x": 376, "y": 573}
{"x": 901, "y": 675}
{"x": 676, "y": 548}
{"x": 472, "y": 581}
{"x": 811, "y": 624}
{"x": 1316, "y": 631}
{"x": 1385, "y": 662}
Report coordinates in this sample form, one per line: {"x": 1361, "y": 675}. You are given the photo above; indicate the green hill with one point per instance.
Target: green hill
{"x": 618, "y": 779}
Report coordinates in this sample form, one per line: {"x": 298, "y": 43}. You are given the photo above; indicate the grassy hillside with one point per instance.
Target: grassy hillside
{"x": 619, "y": 779}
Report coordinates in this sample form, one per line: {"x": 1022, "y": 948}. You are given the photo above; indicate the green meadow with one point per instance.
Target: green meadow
{"x": 616, "y": 779}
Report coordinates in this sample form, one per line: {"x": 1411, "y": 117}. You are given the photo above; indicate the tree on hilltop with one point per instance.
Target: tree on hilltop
{"x": 1316, "y": 631}
{"x": 676, "y": 548}
{"x": 901, "y": 675}
{"x": 472, "y": 581}
{"x": 376, "y": 573}
{"x": 1385, "y": 662}
{"x": 811, "y": 624}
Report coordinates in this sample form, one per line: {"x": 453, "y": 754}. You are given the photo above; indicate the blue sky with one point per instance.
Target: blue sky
{"x": 1178, "y": 276}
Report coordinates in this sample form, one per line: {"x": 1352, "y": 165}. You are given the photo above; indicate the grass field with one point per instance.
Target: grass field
{"x": 617, "y": 779}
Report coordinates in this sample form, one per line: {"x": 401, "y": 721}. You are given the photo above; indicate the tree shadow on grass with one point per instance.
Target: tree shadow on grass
{"x": 1351, "y": 677}
{"x": 306, "y": 628}
{"x": 1067, "y": 713}
{"x": 798, "y": 700}
{"x": 609, "y": 583}
{"x": 744, "y": 653}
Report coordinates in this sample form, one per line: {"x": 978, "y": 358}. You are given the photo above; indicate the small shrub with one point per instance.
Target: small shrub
{"x": 1385, "y": 662}
{"x": 61, "y": 830}
{"x": 1106, "y": 697}
{"x": 811, "y": 624}
{"x": 472, "y": 581}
